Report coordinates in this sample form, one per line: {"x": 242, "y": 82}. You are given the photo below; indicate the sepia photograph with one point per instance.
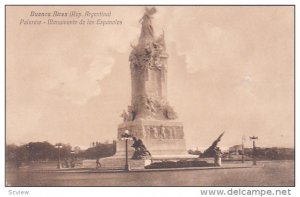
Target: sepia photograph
{"x": 150, "y": 96}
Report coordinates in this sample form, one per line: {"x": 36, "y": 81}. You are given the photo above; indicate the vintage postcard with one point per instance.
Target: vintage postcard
{"x": 150, "y": 96}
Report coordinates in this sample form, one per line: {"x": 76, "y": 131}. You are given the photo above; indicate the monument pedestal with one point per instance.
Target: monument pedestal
{"x": 149, "y": 117}
{"x": 164, "y": 139}
{"x": 161, "y": 137}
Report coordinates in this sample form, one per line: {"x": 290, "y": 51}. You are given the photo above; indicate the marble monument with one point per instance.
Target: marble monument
{"x": 149, "y": 117}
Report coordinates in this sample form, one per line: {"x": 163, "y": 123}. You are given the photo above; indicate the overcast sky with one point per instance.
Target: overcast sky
{"x": 230, "y": 69}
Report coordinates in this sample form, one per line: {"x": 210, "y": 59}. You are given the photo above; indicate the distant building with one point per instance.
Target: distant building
{"x": 236, "y": 149}
{"x": 76, "y": 149}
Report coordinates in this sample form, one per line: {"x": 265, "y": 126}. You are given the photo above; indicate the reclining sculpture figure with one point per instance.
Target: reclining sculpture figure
{"x": 213, "y": 149}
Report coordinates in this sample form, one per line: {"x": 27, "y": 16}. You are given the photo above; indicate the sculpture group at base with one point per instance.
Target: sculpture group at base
{"x": 213, "y": 150}
{"x": 140, "y": 150}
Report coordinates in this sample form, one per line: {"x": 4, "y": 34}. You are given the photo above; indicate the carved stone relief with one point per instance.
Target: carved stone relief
{"x": 163, "y": 132}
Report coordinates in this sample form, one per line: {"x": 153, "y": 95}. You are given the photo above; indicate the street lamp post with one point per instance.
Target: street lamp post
{"x": 126, "y": 153}
{"x": 243, "y": 148}
{"x": 126, "y": 136}
{"x": 72, "y": 163}
{"x": 58, "y": 146}
{"x": 253, "y": 138}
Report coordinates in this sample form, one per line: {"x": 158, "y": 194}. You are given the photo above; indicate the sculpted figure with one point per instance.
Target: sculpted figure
{"x": 125, "y": 116}
{"x": 130, "y": 113}
{"x": 150, "y": 105}
{"x": 211, "y": 151}
{"x": 169, "y": 131}
{"x": 147, "y": 29}
{"x": 174, "y": 134}
{"x": 154, "y": 132}
{"x": 162, "y": 132}
{"x": 140, "y": 149}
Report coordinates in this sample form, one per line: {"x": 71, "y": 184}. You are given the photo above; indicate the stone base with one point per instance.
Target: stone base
{"x": 173, "y": 157}
{"x": 163, "y": 138}
{"x": 210, "y": 160}
{"x": 117, "y": 162}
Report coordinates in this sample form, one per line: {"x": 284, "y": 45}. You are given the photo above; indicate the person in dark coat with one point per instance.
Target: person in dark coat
{"x": 98, "y": 164}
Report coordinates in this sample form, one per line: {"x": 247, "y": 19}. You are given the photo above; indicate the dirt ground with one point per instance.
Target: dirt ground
{"x": 274, "y": 173}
